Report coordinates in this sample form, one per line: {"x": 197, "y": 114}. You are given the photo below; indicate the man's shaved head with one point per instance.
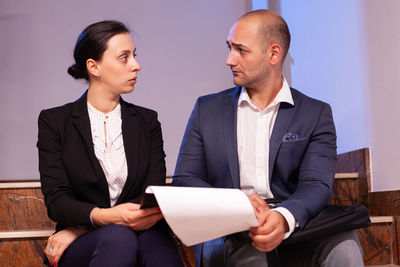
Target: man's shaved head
{"x": 271, "y": 27}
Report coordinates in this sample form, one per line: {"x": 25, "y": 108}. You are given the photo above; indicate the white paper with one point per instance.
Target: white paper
{"x": 197, "y": 214}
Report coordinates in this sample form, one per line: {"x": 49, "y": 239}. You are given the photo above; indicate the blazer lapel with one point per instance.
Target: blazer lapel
{"x": 131, "y": 137}
{"x": 229, "y": 122}
{"x": 282, "y": 123}
{"x": 82, "y": 124}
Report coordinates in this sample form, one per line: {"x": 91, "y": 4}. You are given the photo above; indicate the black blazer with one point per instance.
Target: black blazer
{"x": 73, "y": 182}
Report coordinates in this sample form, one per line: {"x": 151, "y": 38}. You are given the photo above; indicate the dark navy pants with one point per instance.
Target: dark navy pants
{"x": 117, "y": 245}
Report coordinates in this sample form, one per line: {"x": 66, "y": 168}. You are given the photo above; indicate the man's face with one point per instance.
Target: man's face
{"x": 247, "y": 57}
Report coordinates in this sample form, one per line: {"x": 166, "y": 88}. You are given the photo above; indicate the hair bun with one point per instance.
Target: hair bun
{"x": 74, "y": 72}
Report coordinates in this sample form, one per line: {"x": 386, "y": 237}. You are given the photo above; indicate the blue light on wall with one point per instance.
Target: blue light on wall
{"x": 259, "y": 4}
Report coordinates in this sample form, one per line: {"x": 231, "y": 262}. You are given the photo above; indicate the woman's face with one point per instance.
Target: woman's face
{"x": 118, "y": 66}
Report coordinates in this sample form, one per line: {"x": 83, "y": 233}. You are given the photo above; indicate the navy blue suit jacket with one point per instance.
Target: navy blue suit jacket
{"x": 302, "y": 152}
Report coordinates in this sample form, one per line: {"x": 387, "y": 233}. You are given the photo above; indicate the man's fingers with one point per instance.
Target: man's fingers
{"x": 258, "y": 203}
{"x": 265, "y": 247}
{"x": 266, "y": 242}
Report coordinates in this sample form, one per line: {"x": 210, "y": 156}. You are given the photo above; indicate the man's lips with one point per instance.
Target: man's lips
{"x": 235, "y": 72}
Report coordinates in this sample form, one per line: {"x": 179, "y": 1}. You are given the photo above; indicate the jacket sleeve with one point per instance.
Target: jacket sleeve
{"x": 316, "y": 172}
{"x": 156, "y": 171}
{"x": 62, "y": 205}
{"x": 191, "y": 169}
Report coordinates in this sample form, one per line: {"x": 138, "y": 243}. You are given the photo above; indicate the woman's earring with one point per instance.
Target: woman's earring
{"x": 98, "y": 76}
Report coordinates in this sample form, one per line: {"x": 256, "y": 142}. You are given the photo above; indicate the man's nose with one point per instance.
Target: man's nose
{"x": 230, "y": 59}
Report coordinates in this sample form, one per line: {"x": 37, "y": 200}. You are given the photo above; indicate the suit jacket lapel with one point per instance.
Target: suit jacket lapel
{"x": 282, "y": 123}
{"x": 229, "y": 121}
{"x": 82, "y": 124}
{"x": 131, "y": 137}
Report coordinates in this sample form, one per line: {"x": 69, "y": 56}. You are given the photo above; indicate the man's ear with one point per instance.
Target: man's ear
{"x": 275, "y": 53}
{"x": 92, "y": 67}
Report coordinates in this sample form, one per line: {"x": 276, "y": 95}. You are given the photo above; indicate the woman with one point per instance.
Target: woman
{"x": 97, "y": 156}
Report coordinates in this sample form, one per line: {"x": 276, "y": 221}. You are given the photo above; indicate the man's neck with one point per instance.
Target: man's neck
{"x": 262, "y": 97}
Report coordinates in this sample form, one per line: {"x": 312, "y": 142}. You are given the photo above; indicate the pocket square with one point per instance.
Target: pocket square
{"x": 290, "y": 137}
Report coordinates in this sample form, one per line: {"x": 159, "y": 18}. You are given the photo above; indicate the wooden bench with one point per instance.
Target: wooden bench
{"x": 25, "y": 227}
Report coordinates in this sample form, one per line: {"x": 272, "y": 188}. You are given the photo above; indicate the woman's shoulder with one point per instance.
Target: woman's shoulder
{"x": 147, "y": 113}
{"x": 64, "y": 112}
{"x": 58, "y": 112}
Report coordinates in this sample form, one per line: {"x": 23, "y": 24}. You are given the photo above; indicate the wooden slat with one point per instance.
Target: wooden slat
{"x": 13, "y": 185}
{"x": 25, "y": 234}
{"x": 16, "y": 184}
{"x": 347, "y": 175}
{"x": 382, "y": 219}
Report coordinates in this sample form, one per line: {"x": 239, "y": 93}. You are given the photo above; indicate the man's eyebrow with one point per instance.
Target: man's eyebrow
{"x": 236, "y": 44}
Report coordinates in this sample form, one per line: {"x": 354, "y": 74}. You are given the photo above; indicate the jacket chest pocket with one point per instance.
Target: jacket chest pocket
{"x": 292, "y": 152}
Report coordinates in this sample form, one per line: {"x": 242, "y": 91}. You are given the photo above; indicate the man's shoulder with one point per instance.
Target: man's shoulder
{"x": 299, "y": 97}
{"x": 218, "y": 96}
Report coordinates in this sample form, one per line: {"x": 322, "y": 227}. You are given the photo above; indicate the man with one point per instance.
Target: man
{"x": 270, "y": 141}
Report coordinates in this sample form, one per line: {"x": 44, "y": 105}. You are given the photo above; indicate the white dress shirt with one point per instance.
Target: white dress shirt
{"x": 109, "y": 148}
{"x": 254, "y": 129}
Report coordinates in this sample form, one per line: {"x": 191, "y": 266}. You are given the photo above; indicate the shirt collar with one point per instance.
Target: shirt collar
{"x": 115, "y": 113}
{"x": 284, "y": 95}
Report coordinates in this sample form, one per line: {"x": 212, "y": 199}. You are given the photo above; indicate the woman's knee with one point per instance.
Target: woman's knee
{"x": 118, "y": 239}
{"x": 157, "y": 247}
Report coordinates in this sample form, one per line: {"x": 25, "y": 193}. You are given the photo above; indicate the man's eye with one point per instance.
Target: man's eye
{"x": 229, "y": 47}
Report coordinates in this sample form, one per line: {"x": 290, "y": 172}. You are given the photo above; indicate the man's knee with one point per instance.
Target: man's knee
{"x": 345, "y": 252}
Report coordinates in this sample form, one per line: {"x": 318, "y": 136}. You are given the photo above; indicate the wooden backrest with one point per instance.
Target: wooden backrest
{"x": 353, "y": 178}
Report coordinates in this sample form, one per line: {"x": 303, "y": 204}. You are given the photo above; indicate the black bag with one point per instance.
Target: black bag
{"x": 331, "y": 220}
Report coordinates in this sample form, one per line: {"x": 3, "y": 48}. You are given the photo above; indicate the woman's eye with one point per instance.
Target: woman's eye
{"x": 124, "y": 58}
{"x": 135, "y": 54}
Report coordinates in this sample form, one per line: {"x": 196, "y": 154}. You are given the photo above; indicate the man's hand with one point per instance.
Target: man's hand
{"x": 272, "y": 225}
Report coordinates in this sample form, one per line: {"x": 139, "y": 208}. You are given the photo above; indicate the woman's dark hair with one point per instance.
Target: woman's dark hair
{"x": 91, "y": 43}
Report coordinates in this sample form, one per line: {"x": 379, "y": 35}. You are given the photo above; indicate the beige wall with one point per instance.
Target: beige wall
{"x": 382, "y": 22}
{"x": 181, "y": 46}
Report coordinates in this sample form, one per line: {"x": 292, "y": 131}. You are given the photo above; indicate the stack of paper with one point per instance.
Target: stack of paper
{"x": 197, "y": 215}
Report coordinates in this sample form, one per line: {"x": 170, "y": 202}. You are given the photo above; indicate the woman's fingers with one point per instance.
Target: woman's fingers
{"x": 146, "y": 222}
{"x": 59, "y": 242}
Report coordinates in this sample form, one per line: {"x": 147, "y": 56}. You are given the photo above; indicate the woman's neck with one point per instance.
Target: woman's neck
{"x": 102, "y": 100}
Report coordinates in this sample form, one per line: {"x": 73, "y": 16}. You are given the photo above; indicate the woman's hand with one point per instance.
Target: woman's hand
{"x": 128, "y": 214}
{"x": 59, "y": 242}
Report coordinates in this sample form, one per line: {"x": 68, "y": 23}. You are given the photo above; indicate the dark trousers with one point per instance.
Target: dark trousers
{"x": 341, "y": 249}
{"x": 116, "y": 245}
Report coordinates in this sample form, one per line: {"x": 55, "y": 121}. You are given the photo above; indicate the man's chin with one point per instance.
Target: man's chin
{"x": 237, "y": 82}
